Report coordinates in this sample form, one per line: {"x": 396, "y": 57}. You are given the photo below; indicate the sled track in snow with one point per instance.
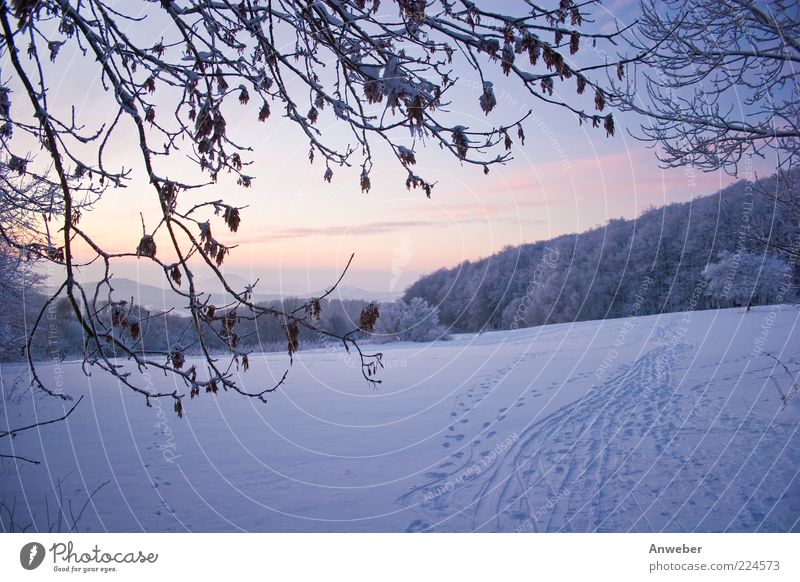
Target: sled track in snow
{"x": 602, "y": 462}
{"x": 574, "y": 453}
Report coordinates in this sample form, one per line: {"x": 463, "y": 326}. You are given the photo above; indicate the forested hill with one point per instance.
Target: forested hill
{"x": 655, "y": 263}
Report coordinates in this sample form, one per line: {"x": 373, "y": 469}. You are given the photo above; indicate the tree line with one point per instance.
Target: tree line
{"x": 62, "y": 337}
{"x": 735, "y": 247}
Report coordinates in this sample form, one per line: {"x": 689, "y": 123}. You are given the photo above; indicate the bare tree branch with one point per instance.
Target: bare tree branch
{"x": 717, "y": 81}
{"x": 385, "y": 72}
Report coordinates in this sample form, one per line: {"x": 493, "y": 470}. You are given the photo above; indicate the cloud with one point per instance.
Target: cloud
{"x": 426, "y": 217}
{"x": 363, "y": 229}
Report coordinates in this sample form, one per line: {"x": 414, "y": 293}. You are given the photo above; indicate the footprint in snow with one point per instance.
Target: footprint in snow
{"x": 519, "y": 516}
{"x": 436, "y": 475}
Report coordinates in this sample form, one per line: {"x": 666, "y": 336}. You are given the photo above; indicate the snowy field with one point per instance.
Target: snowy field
{"x": 660, "y": 423}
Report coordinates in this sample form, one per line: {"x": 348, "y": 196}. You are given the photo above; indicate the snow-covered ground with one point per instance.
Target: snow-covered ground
{"x": 661, "y": 423}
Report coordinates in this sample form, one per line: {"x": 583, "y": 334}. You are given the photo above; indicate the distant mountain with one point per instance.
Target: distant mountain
{"x": 149, "y": 296}
{"x": 348, "y": 292}
{"x": 651, "y": 264}
{"x": 163, "y": 298}
{"x": 343, "y": 291}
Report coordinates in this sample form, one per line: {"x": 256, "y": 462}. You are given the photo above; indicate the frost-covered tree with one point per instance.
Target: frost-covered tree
{"x": 16, "y": 278}
{"x": 718, "y": 81}
{"x": 386, "y": 72}
{"x": 415, "y": 321}
{"x": 743, "y": 278}
{"x": 718, "y": 85}
{"x": 652, "y": 264}
{"x": 19, "y": 205}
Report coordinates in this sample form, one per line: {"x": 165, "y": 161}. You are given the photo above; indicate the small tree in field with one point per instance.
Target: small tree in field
{"x": 415, "y": 321}
{"x": 743, "y": 278}
{"x": 385, "y": 71}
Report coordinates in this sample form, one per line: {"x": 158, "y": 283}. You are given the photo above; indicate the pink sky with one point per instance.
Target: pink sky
{"x": 298, "y": 231}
